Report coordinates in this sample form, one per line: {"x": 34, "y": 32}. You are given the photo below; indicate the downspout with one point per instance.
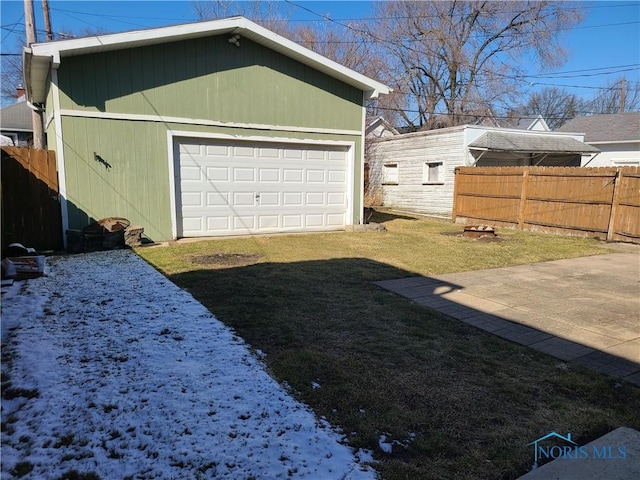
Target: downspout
{"x": 33, "y": 107}
{"x": 361, "y": 160}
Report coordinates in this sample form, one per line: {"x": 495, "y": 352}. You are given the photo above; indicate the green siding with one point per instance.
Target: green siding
{"x": 205, "y": 79}
{"x": 135, "y": 184}
{"x": 209, "y": 78}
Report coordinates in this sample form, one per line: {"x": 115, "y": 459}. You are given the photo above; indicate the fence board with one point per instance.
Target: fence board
{"x": 30, "y": 206}
{"x": 569, "y": 200}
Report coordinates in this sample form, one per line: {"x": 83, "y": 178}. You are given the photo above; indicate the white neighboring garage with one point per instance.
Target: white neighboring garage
{"x": 255, "y": 186}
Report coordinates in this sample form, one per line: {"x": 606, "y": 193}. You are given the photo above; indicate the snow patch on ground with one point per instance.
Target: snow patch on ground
{"x": 385, "y": 446}
{"x": 115, "y": 370}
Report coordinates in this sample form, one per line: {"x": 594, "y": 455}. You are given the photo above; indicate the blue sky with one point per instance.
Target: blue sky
{"x": 604, "y": 47}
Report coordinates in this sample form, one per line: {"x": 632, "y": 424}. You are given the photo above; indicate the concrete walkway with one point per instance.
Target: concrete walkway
{"x": 583, "y": 310}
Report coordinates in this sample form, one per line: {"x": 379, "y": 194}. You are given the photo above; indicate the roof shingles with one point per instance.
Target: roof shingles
{"x": 530, "y": 143}
{"x": 16, "y": 118}
{"x": 616, "y": 127}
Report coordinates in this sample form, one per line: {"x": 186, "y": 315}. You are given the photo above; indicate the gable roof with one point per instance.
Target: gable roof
{"x": 615, "y": 127}
{"x": 526, "y": 123}
{"x": 40, "y": 56}
{"x": 16, "y": 118}
{"x": 530, "y": 143}
{"x": 380, "y": 121}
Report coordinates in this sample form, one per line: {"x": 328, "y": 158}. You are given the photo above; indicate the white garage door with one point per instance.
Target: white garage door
{"x": 239, "y": 188}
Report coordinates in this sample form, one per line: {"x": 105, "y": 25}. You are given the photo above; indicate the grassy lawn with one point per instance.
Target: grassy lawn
{"x": 459, "y": 402}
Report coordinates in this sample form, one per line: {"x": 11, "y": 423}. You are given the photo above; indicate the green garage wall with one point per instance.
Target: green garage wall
{"x": 120, "y": 167}
{"x": 209, "y": 78}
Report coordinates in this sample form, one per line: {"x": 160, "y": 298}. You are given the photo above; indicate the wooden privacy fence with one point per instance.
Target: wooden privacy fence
{"x": 30, "y": 207}
{"x": 601, "y": 202}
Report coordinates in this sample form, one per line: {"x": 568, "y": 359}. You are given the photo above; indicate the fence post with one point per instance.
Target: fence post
{"x": 617, "y": 179}
{"x": 523, "y": 198}
{"x": 456, "y": 177}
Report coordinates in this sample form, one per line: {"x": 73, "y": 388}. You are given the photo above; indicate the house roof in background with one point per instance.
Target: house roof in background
{"x": 379, "y": 121}
{"x": 530, "y": 143}
{"x": 526, "y": 123}
{"x": 39, "y": 56}
{"x": 16, "y": 118}
{"x": 615, "y": 127}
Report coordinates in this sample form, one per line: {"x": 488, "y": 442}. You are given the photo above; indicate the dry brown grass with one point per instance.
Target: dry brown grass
{"x": 459, "y": 402}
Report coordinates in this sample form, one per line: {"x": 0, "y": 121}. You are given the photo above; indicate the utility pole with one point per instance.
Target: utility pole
{"x": 47, "y": 19}
{"x": 29, "y": 22}
{"x": 622, "y": 95}
{"x": 36, "y": 117}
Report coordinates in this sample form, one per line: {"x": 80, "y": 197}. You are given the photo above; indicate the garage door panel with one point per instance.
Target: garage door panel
{"x": 315, "y": 198}
{"x": 337, "y": 176}
{"x": 291, "y": 153}
{"x": 315, "y": 176}
{"x": 244, "y": 174}
{"x": 246, "y": 222}
{"x": 268, "y": 153}
{"x": 269, "y": 199}
{"x": 244, "y": 199}
{"x": 269, "y": 175}
{"x": 191, "y": 173}
{"x": 217, "y": 174}
{"x": 268, "y": 222}
{"x": 314, "y": 220}
{"x": 217, "y": 151}
{"x": 193, "y": 149}
{"x": 336, "y": 198}
{"x": 335, "y": 219}
{"x": 292, "y": 221}
{"x": 218, "y": 224}
{"x": 245, "y": 152}
{"x": 192, "y": 199}
{"x": 292, "y": 176}
{"x": 292, "y": 198}
{"x": 217, "y": 199}
{"x": 192, "y": 223}
{"x": 316, "y": 155}
{"x": 234, "y": 187}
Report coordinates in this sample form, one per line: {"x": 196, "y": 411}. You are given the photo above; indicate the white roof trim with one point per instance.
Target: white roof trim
{"x": 45, "y": 52}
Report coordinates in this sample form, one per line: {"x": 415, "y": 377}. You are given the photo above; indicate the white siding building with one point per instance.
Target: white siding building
{"x": 416, "y": 171}
{"x": 616, "y": 135}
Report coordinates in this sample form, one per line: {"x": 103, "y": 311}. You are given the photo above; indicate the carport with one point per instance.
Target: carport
{"x": 496, "y": 149}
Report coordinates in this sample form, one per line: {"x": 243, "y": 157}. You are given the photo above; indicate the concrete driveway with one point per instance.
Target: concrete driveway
{"x": 583, "y": 310}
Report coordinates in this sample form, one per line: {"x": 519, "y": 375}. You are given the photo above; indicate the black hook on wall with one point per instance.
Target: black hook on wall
{"x": 101, "y": 160}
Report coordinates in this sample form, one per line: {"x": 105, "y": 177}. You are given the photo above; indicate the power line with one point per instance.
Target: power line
{"x": 19, "y": 22}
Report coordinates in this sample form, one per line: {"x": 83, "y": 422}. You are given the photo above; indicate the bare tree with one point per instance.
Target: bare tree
{"x": 556, "y": 105}
{"x": 459, "y": 57}
{"x": 347, "y": 44}
{"x": 10, "y": 78}
{"x": 609, "y": 99}
{"x": 269, "y": 14}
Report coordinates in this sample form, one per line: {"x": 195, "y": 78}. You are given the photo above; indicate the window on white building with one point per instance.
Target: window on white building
{"x": 390, "y": 174}
{"x": 432, "y": 173}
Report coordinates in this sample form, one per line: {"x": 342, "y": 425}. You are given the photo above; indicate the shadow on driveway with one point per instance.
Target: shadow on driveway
{"x": 583, "y": 310}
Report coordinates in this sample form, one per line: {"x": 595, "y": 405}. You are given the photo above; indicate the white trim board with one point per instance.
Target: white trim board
{"x": 62, "y": 179}
{"x": 200, "y": 121}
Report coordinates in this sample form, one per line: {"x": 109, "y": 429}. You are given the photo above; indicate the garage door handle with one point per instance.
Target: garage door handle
{"x": 257, "y": 196}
